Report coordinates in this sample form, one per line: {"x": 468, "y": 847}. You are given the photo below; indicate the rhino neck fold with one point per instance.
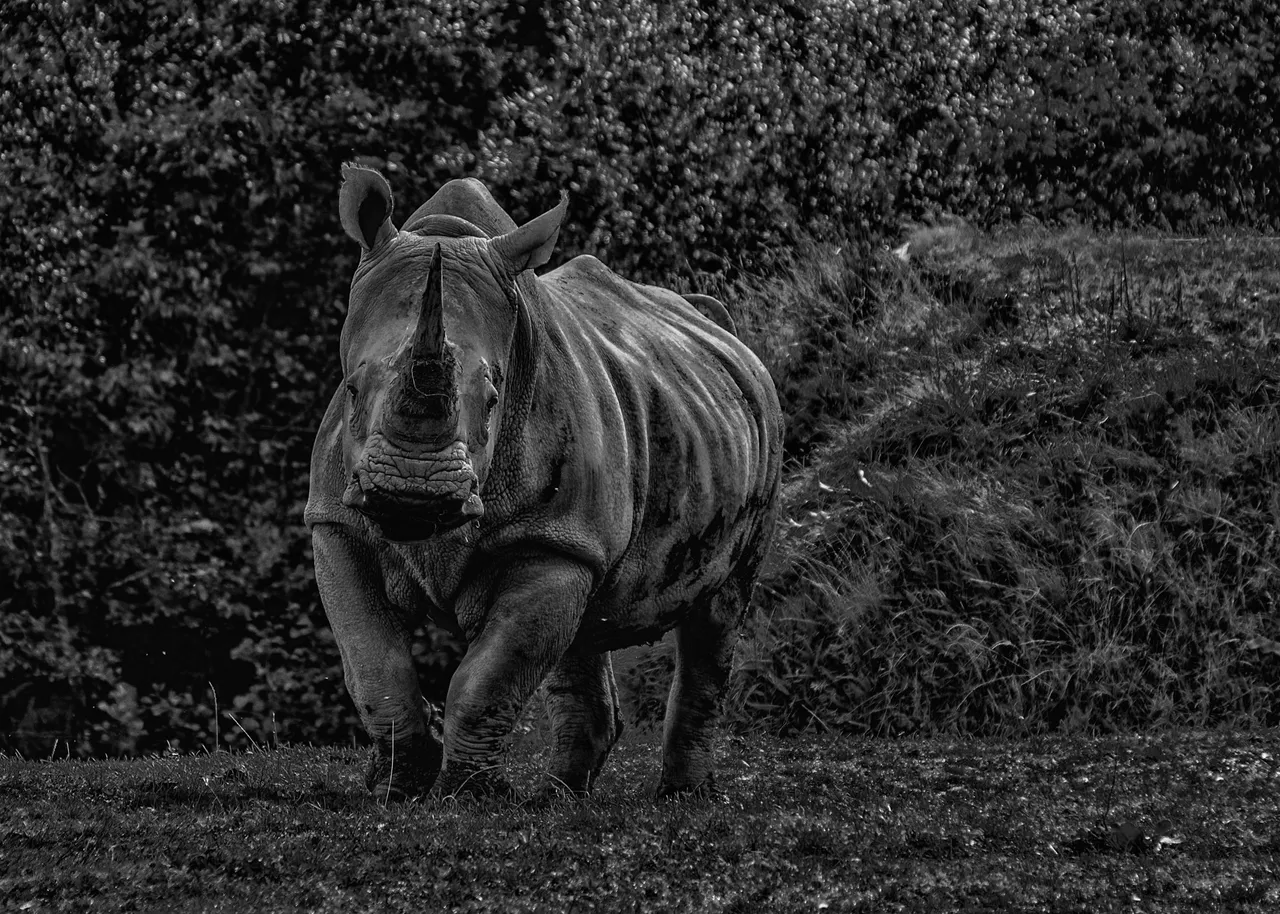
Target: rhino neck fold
{"x": 520, "y": 385}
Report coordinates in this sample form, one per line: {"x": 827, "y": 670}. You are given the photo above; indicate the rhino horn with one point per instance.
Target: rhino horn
{"x": 531, "y": 244}
{"x": 428, "y": 338}
{"x": 427, "y": 385}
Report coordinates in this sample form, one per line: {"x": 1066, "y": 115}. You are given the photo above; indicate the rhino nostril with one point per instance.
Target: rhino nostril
{"x": 354, "y": 496}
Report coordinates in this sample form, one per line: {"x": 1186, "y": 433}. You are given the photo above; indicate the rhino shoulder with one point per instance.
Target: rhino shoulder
{"x": 584, "y": 267}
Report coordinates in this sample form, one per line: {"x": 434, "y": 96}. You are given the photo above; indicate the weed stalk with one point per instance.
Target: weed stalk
{"x": 217, "y": 740}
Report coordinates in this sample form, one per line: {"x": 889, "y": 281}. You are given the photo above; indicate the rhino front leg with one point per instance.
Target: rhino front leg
{"x": 520, "y": 624}
{"x": 704, "y": 654}
{"x": 374, "y": 639}
{"x": 586, "y": 720}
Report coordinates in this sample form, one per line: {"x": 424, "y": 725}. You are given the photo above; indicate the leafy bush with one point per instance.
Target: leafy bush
{"x": 694, "y": 141}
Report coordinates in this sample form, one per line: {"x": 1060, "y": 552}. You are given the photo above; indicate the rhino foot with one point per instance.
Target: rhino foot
{"x": 557, "y": 791}
{"x": 701, "y": 790}
{"x": 480, "y": 783}
{"x": 405, "y": 773}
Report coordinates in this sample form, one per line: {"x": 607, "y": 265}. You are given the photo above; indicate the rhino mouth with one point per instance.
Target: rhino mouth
{"x": 395, "y": 529}
{"x": 414, "y": 497}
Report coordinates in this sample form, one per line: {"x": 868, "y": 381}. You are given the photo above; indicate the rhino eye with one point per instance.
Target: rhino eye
{"x": 491, "y": 401}
{"x": 355, "y": 414}
{"x": 353, "y": 400}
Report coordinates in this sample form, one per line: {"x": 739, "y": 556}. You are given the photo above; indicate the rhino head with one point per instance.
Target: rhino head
{"x": 426, "y": 351}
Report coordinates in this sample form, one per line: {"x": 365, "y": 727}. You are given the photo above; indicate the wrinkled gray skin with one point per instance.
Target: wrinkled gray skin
{"x": 553, "y": 466}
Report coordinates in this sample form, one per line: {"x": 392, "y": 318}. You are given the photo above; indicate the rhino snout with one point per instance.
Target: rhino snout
{"x": 444, "y": 483}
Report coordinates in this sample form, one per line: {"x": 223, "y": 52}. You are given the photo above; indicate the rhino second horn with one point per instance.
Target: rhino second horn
{"x": 428, "y": 337}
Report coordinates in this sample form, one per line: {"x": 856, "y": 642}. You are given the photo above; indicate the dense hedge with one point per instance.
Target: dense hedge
{"x": 172, "y": 275}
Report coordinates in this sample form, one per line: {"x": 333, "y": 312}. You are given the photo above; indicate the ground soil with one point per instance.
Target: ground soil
{"x": 1173, "y": 821}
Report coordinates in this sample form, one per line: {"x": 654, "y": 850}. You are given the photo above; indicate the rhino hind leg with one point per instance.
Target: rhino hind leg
{"x": 586, "y": 719}
{"x": 704, "y": 653}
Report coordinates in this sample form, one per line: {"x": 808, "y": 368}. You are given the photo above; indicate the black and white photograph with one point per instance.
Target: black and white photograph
{"x": 631, "y": 456}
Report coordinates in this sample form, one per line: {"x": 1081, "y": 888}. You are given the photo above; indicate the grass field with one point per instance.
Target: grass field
{"x": 1158, "y": 822}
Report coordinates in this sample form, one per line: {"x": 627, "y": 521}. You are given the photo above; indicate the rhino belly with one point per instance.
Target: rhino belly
{"x": 672, "y": 571}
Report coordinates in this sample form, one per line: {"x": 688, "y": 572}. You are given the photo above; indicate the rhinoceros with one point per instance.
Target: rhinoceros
{"x": 554, "y": 467}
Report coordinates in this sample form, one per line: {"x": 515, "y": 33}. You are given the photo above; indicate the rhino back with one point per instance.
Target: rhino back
{"x": 653, "y": 447}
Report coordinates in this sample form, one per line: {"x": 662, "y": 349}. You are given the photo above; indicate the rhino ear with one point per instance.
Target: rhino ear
{"x": 531, "y": 244}
{"x": 365, "y": 205}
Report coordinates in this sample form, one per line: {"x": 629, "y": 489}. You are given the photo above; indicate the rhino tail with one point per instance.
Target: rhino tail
{"x": 713, "y": 309}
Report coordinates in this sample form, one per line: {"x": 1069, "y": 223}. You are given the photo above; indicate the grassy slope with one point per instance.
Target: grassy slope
{"x": 1174, "y": 822}
{"x": 1040, "y": 485}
